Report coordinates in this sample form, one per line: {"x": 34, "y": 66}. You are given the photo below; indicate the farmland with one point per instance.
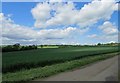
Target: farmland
{"x": 21, "y": 60}
{"x": 34, "y": 73}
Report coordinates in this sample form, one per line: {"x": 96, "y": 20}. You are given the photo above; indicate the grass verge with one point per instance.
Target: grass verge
{"x": 27, "y": 75}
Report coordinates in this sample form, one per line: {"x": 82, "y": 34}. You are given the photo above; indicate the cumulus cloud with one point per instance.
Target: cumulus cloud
{"x": 109, "y": 33}
{"x": 67, "y": 14}
{"x": 59, "y": 15}
{"x": 41, "y": 13}
{"x": 12, "y": 33}
{"x": 108, "y": 28}
{"x": 103, "y": 38}
{"x": 108, "y": 38}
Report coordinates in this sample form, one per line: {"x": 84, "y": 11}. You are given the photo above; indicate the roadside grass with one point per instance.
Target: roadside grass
{"x": 34, "y": 73}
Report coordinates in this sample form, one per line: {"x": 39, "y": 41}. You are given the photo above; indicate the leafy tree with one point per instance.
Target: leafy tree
{"x": 41, "y": 46}
{"x": 99, "y": 44}
{"x": 16, "y": 46}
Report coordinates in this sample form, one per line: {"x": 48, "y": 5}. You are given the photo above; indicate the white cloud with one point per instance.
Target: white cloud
{"x": 12, "y": 33}
{"x": 64, "y": 14}
{"x": 103, "y": 38}
{"x": 109, "y": 33}
{"x": 98, "y": 9}
{"x": 67, "y": 14}
{"x": 108, "y": 28}
{"x": 109, "y": 38}
{"x": 92, "y": 36}
{"x": 117, "y": 7}
{"x": 112, "y": 42}
{"x": 41, "y": 13}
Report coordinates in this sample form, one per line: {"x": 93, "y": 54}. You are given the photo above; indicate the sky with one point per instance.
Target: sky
{"x": 59, "y": 22}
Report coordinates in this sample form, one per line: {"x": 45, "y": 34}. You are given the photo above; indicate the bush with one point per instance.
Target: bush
{"x": 17, "y": 47}
{"x": 7, "y": 48}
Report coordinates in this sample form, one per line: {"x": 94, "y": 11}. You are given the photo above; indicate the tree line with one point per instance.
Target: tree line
{"x": 17, "y": 47}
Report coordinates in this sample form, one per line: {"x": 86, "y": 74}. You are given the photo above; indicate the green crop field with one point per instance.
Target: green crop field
{"x": 42, "y": 72}
{"x": 14, "y": 61}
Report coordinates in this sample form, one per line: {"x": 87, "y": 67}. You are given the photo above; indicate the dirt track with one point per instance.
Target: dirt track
{"x": 106, "y": 70}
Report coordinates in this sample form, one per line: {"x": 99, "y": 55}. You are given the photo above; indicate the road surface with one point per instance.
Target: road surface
{"x": 106, "y": 70}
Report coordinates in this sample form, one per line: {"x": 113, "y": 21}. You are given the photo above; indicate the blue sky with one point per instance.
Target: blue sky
{"x": 20, "y": 12}
{"x": 70, "y": 23}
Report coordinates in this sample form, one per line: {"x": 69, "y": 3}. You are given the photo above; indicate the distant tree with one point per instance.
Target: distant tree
{"x": 34, "y": 46}
{"x": 22, "y": 48}
{"x": 99, "y": 44}
{"x": 111, "y": 43}
{"x": 16, "y": 46}
{"x": 41, "y": 46}
{"x": 7, "y": 48}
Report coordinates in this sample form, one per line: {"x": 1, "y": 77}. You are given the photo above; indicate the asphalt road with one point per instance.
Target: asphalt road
{"x": 106, "y": 70}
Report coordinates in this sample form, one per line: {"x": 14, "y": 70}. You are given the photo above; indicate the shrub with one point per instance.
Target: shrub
{"x": 17, "y": 47}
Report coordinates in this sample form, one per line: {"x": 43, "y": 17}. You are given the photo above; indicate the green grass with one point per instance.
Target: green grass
{"x": 15, "y": 61}
{"x": 34, "y": 73}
